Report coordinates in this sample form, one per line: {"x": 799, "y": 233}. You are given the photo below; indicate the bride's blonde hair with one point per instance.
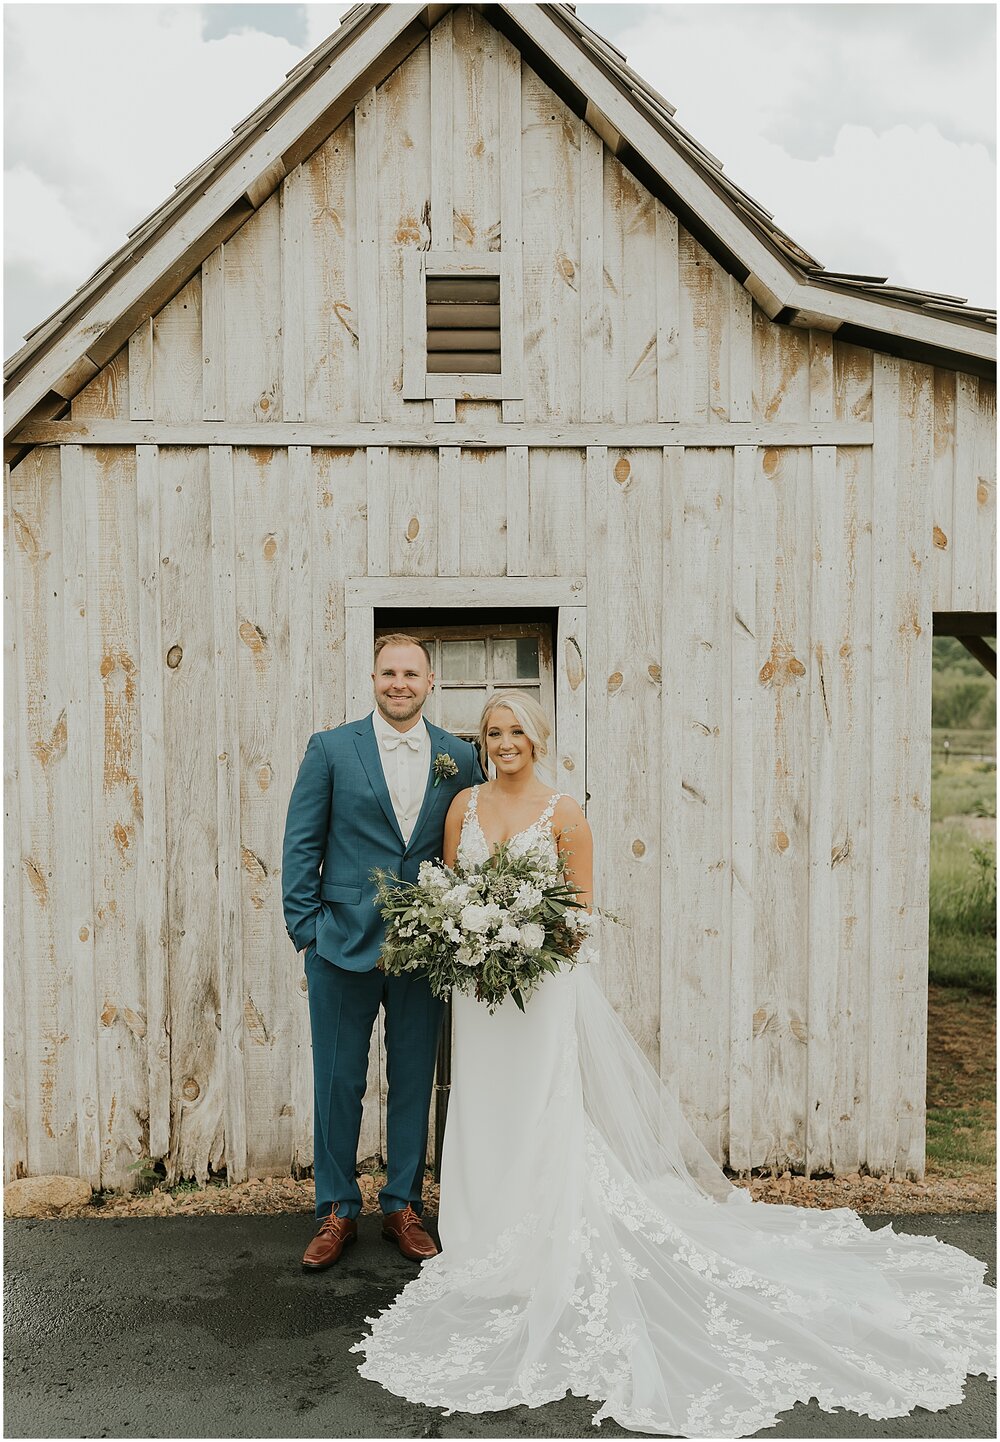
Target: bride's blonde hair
{"x": 529, "y": 716}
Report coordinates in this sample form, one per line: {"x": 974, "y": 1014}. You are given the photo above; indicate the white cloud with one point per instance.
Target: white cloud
{"x": 865, "y": 129}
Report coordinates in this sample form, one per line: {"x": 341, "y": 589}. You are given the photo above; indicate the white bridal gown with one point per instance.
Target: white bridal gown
{"x": 592, "y": 1246}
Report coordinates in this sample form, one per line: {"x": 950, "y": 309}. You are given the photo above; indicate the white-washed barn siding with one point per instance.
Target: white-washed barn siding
{"x": 758, "y": 635}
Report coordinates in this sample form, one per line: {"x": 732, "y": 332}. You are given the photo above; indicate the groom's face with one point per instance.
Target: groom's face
{"x": 402, "y": 684}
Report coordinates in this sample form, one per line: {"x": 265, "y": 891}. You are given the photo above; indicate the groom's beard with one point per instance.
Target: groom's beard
{"x": 402, "y": 710}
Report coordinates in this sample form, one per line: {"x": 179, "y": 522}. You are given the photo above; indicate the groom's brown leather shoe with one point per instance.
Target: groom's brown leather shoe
{"x": 407, "y": 1230}
{"x": 331, "y": 1239}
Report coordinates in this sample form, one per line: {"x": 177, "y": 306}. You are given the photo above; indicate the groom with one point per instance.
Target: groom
{"x": 372, "y": 793}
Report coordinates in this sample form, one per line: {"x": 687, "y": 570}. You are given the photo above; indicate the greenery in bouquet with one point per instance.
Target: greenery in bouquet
{"x": 496, "y": 930}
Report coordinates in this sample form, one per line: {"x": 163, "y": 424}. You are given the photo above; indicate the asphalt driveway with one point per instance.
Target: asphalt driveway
{"x": 207, "y": 1327}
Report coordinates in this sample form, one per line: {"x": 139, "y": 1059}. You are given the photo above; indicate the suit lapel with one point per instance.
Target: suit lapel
{"x": 432, "y": 796}
{"x": 367, "y": 746}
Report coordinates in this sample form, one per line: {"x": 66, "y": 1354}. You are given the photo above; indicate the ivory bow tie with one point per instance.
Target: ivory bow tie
{"x": 391, "y": 742}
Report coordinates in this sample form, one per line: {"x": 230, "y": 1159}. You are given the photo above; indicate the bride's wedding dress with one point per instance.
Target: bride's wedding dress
{"x": 591, "y": 1245}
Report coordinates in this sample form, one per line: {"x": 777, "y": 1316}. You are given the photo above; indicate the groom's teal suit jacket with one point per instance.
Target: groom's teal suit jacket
{"x": 341, "y": 826}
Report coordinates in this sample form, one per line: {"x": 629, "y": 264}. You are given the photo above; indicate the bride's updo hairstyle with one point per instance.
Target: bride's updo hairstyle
{"x": 528, "y": 715}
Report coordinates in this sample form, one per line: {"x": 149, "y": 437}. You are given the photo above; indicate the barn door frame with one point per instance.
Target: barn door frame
{"x": 363, "y": 596}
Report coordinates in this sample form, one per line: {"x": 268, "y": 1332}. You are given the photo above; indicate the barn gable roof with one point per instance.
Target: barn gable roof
{"x": 63, "y": 353}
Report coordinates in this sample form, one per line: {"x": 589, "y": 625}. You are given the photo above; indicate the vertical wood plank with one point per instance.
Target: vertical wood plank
{"x": 640, "y": 322}
{"x": 227, "y": 799}
{"x": 517, "y": 510}
{"x": 378, "y": 510}
{"x": 341, "y": 505}
{"x": 449, "y": 507}
{"x": 571, "y": 703}
{"x": 901, "y": 764}
{"x": 781, "y": 767}
{"x": 591, "y": 275}
{"x": 116, "y": 808}
{"x": 50, "y": 1089}
{"x": 673, "y": 1054}
{"x": 413, "y": 512}
{"x": 557, "y": 532}
{"x": 743, "y": 671}
{"x": 213, "y": 335}
{"x": 197, "y": 1055}
{"x": 974, "y": 523}
{"x": 511, "y": 228}
{"x": 369, "y": 322}
{"x": 262, "y": 666}
{"x": 253, "y": 317}
{"x": 701, "y": 1001}
{"x": 106, "y": 395}
{"x": 943, "y": 502}
{"x": 293, "y": 305}
{"x": 475, "y": 133}
{"x": 329, "y": 242}
{"x": 839, "y": 854}
{"x": 599, "y": 741}
{"x": 152, "y": 897}
{"x": 178, "y": 356}
{"x": 695, "y": 291}
{"x": 668, "y": 302}
{"x": 483, "y": 518}
{"x": 76, "y": 830}
{"x": 630, "y": 848}
{"x": 442, "y": 133}
{"x": 140, "y": 372}
{"x": 304, "y": 608}
{"x": 15, "y": 1120}
{"x": 740, "y": 352}
{"x": 821, "y": 390}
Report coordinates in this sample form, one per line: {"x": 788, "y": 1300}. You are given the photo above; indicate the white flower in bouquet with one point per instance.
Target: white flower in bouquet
{"x": 509, "y": 935}
{"x": 433, "y": 878}
{"x": 532, "y": 936}
{"x": 527, "y": 897}
{"x": 457, "y": 897}
{"x": 477, "y": 919}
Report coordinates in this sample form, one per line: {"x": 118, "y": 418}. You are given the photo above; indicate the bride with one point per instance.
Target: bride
{"x": 591, "y": 1245}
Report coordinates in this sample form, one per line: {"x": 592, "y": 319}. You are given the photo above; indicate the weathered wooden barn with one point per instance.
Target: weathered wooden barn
{"x": 461, "y": 330}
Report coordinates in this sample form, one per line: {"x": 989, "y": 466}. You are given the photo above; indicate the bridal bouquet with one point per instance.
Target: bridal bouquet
{"x": 497, "y": 930}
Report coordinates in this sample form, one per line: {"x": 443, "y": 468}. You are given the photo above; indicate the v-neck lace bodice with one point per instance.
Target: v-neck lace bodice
{"x": 474, "y": 849}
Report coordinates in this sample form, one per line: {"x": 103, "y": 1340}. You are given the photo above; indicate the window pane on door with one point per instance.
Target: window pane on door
{"x": 515, "y": 659}
{"x": 461, "y": 709}
{"x": 463, "y": 661}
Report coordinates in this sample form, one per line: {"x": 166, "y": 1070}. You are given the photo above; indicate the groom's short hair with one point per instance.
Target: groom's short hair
{"x": 400, "y": 638}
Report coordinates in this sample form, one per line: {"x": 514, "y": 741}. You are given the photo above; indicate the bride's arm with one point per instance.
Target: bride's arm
{"x": 453, "y": 826}
{"x": 575, "y": 841}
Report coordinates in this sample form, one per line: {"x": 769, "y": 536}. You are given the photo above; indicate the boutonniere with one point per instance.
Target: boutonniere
{"x": 445, "y": 767}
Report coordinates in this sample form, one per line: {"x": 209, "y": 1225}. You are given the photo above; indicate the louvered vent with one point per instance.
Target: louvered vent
{"x": 463, "y": 324}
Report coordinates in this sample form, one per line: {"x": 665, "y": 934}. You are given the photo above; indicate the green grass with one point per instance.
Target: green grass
{"x": 958, "y": 1140}
{"x": 963, "y": 868}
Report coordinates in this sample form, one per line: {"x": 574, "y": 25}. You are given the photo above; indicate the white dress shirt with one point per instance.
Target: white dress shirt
{"x": 406, "y": 758}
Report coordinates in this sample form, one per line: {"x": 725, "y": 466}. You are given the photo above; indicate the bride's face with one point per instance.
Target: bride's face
{"x": 506, "y": 744}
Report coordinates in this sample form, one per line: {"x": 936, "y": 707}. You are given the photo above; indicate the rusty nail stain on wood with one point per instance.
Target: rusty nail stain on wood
{"x": 614, "y": 682}
{"x": 174, "y": 657}
{"x": 781, "y": 840}
{"x": 638, "y": 848}
{"x": 623, "y": 469}
{"x": 413, "y": 529}
{"x": 940, "y": 539}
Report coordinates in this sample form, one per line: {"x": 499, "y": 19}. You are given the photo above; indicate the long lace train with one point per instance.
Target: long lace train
{"x": 592, "y": 1246}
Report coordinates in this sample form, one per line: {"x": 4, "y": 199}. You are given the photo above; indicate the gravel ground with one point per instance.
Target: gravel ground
{"x": 269, "y": 1196}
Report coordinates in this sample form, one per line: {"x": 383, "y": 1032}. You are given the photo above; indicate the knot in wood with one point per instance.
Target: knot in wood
{"x": 638, "y": 848}
{"x": 623, "y": 469}
{"x": 174, "y": 656}
{"x": 614, "y": 682}
{"x": 191, "y": 1091}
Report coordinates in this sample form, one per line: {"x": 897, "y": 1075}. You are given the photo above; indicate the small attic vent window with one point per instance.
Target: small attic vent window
{"x": 463, "y": 325}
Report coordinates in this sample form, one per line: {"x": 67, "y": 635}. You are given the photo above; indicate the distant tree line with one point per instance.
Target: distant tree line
{"x": 964, "y": 695}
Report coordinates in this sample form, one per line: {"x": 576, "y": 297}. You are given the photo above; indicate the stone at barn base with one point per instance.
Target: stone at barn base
{"x": 44, "y": 1196}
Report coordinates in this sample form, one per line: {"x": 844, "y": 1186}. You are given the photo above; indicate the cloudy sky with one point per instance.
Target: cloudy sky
{"x": 867, "y": 129}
